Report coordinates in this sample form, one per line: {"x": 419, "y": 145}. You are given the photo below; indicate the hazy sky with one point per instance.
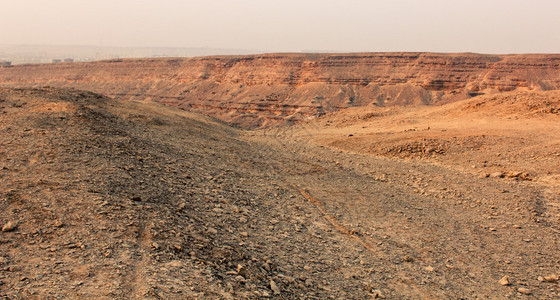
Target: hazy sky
{"x": 486, "y": 26}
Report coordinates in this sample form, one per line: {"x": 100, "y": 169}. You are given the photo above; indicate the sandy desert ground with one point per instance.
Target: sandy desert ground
{"x": 131, "y": 199}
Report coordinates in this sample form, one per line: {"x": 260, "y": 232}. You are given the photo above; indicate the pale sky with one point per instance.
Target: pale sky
{"x": 484, "y": 26}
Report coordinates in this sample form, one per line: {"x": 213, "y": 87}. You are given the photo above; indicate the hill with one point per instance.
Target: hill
{"x": 101, "y": 198}
{"x": 271, "y": 89}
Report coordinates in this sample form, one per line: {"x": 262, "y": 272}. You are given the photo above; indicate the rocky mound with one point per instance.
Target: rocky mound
{"x": 261, "y": 90}
{"x": 107, "y": 199}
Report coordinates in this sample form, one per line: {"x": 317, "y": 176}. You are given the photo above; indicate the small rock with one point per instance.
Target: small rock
{"x": 9, "y": 226}
{"x": 497, "y": 175}
{"x": 523, "y": 290}
{"x": 275, "y": 289}
{"x": 240, "y": 278}
{"x": 155, "y": 245}
{"x": 241, "y": 270}
{"x": 266, "y": 266}
{"x": 12, "y": 269}
{"x": 212, "y": 230}
{"x": 504, "y": 280}
{"x": 551, "y": 278}
{"x": 376, "y": 294}
{"x": 429, "y": 268}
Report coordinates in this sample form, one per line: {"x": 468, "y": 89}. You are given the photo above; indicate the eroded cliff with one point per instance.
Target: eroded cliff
{"x": 262, "y": 90}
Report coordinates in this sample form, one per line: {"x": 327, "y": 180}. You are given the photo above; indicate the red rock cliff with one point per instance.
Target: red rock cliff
{"x": 260, "y": 90}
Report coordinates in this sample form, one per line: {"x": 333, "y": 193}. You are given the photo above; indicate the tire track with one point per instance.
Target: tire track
{"x": 334, "y": 222}
{"x": 345, "y": 231}
{"x": 135, "y": 282}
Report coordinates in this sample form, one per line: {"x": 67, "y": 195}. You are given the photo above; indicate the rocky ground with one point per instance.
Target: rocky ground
{"x": 109, "y": 199}
{"x": 506, "y": 135}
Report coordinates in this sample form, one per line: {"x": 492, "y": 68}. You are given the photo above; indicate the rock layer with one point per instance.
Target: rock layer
{"x": 262, "y": 90}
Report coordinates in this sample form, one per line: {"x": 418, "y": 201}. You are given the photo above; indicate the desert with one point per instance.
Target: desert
{"x": 262, "y": 90}
{"x": 406, "y": 175}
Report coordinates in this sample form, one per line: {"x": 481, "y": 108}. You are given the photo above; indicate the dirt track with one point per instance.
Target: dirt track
{"x": 135, "y": 200}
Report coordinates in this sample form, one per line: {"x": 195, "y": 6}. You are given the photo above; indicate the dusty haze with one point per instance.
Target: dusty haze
{"x": 496, "y": 26}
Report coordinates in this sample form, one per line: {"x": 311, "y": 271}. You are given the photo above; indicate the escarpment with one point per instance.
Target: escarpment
{"x": 269, "y": 89}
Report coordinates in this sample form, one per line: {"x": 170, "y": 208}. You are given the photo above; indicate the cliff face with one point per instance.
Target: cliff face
{"x": 261, "y": 90}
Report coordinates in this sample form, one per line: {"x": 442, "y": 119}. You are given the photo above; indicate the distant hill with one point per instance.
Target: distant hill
{"x": 270, "y": 89}
{"x": 20, "y": 54}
